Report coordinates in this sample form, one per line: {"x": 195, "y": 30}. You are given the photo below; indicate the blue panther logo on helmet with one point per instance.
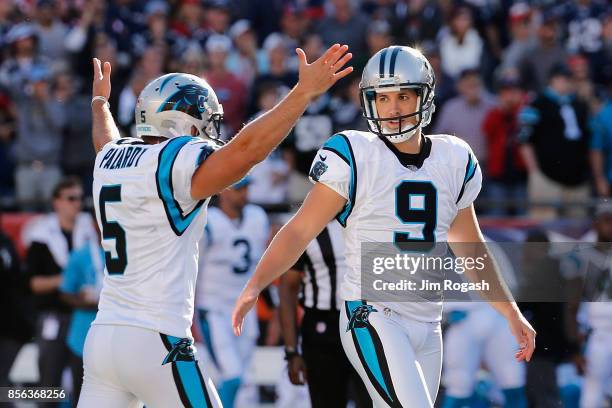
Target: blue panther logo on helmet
{"x": 190, "y": 99}
{"x": 359, "y": 317}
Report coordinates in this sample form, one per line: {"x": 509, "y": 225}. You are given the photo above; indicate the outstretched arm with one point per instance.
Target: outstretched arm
{"x": 103, "y": 126}
{"x": 256, "y": 140}
{"x": 466, "y": 241}
{"x": 320, "y": 206}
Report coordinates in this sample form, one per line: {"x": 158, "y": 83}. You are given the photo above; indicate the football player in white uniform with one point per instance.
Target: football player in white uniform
{"x": 392, "y": 185}
{"x": 477, "y": 333}
{"x": 235, "y": 237}
{"x": 150, "y": 197}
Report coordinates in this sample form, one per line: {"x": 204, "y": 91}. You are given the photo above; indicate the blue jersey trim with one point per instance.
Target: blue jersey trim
{"x": 470, "y": 171}
{"x": 163, "y": 177}
{"x": 340, "y": 145}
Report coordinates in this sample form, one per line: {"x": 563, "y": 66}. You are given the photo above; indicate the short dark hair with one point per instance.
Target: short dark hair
{"x": 66, "y": 183}
{"x": 469, "y": 72}
{"x": 560, "y": 69}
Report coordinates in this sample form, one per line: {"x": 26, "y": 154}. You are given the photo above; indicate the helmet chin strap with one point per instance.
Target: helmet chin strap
{"x": 403, "y": 137}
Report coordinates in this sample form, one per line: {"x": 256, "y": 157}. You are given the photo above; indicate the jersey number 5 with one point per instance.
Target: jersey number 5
{"x": 416, "y": 203}
{"x": 112, "y": 230}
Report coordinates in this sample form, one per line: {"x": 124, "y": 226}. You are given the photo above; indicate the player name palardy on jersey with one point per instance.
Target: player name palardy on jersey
{"x": 122, "y": 157}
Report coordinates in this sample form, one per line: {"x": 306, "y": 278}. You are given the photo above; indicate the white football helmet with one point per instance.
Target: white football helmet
{"x": 173, "y": 104}
{"x": 390, "y": 70}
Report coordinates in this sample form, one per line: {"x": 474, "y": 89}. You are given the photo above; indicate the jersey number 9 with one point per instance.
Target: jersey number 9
{"x": 416, "y": 203}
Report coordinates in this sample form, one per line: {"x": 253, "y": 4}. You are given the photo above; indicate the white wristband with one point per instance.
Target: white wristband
{"x": 100, "y": 98}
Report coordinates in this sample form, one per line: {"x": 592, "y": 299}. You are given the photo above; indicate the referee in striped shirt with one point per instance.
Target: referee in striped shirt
{"x": 313, "y": 283}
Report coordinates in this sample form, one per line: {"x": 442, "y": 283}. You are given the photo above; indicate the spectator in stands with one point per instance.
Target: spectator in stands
{"x": 265, "y": 15}
{"x": 416, "y": 21}
{"x": 105, "y": 49}
{"x": 506, "y": 176}
{"x": 521, "y": 32}
{"x": 193, "y": 61}
{"x": 463, "y": 115}
{"x": 81, "y": 42}
{"x": 17, "y": 318}
{"x": 293, "y": 25}
{"x": 460, "y": 44}
{"x": 157, "y": 33}
{"x": 51, "y": 31}
{"x": 555, "y": 136}
{"x": 40, "y": 118}
{"x": 243, "y": 60}
{"x": 269, "y": 178}
{"x": 51, "y": 238}
{"x": 545, "y": 53}
{"x": 346, "y": 108}
{"x": 584, "y": 23}
{"x": 229, "y": 89}
{"x": 378, "y": 36}
{"x": 445, "y": 85}
{"x": 217, "y": 16}
{"x": 123, "y": 20}
{"x": 149, "y": 67}
{"x": 80, "y": 288}
{"x": 584, "y": 86}
{"x": 78, "y": 155}
{"x": 601, "y": 149}
{"x": 346, "y": 25}
{"x": 274, "y": 68}
{"x": 189, "y": 22}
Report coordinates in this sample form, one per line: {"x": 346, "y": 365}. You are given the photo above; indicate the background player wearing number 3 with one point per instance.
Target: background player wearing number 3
{"x": 235, "y": 237}
{"x": 391, "y": 184}
{"x": 150, "y": 196}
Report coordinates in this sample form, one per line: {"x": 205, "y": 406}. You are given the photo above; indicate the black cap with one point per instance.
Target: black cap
{"x": 560, "y": 69}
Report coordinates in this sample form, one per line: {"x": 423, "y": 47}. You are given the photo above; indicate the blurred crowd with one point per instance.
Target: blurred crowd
{"x": 524, "y": 82}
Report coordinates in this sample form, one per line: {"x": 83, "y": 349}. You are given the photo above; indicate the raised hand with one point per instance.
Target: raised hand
{"x": 101, "y": 85}
{"x": 319, "y": 76}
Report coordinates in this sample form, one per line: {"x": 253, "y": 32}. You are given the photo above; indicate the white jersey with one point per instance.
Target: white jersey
{"x": 150, "y": 230}
{"x": 229, "y": 251}
{"x": 394, "y": 197}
